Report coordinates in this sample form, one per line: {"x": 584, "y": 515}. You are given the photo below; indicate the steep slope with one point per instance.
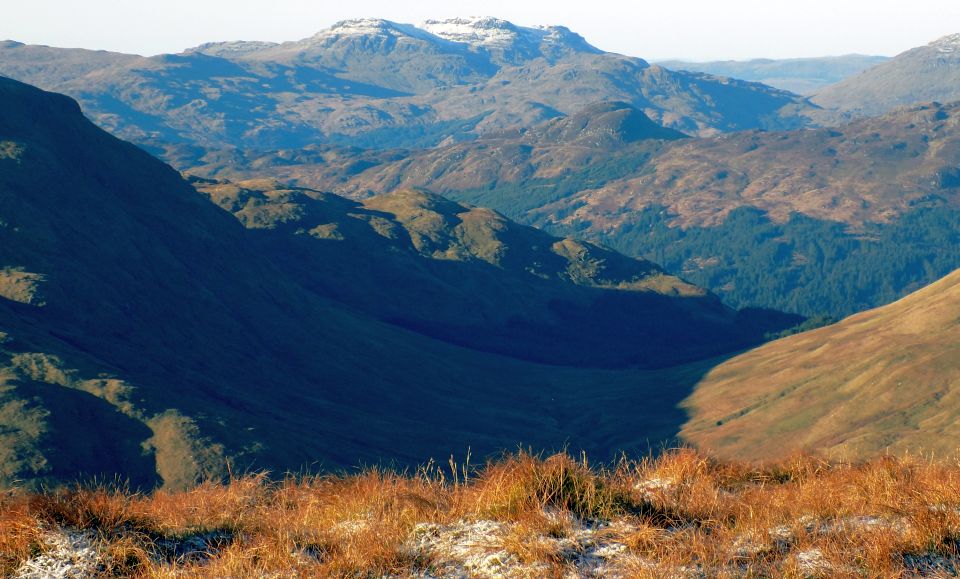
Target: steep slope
{"x": 378, "y": 84}
{"x": 469, "y": 276}
{"x": 145, "y": 333}
{"x": 922, "y": 74}
{"x": 883, "y": 379}
{"x": 799, "y": 75}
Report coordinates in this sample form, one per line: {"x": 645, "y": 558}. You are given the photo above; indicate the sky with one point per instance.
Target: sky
{"x": 655, "y": 30}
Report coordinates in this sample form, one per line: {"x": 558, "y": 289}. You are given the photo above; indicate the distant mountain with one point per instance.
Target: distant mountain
{"x": 881, "y": 380}
{"x": 924, "y": 74}
{"x": 379, "y": 84}
{"x": 146, "y": 333}
{"x": 799, "y": 75}
{"x": 557, "y": 158}
{"x": 818, "y": 222}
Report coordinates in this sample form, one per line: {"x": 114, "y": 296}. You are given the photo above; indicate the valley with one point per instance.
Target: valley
{"x": 473, "y": 298}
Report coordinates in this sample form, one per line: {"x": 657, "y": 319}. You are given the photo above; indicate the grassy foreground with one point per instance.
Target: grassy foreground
{"x": 677, "y": 515}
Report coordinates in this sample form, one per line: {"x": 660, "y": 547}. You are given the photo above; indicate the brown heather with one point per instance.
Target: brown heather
{"x": 677, "y": 515}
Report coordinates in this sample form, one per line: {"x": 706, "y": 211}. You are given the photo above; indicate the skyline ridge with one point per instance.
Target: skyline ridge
{"x": 708, "y": 32}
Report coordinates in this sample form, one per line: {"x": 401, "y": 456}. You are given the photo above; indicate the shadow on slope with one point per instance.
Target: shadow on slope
{"x": 141, "y": 325}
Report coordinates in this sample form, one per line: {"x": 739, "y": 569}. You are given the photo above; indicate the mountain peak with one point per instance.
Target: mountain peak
{"x": 492, "y": 32}
{"x": 604, "y": 124}
{"x": 370, "y": 27}
{"x": 478, "y": 30}
{"x": 948, "y": 44}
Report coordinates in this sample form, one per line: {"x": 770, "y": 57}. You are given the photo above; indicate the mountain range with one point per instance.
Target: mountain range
{"x": 824, "y": 222}
{"x": 804, "y": 76}
{"x": 388, "y": 243}
{"x": 376, "y": 84}
{"x": 163, "y": 334}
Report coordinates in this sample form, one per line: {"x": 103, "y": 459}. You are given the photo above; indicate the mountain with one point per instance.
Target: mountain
{"x": 538, "y": 164}
{"x": 148, "y": 334}
{"x": 379, "y": 84}
{"x": 922, "y": 74}
{"x": 798, "y": 75}
{"x": 469, "y": 276}
{"x": 877, "y": 381}
{"x": 817, "y": 222}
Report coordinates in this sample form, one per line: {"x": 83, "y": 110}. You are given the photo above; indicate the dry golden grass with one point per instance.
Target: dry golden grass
{"x": 878, "y": 380}
{"x": 680, "y": 514}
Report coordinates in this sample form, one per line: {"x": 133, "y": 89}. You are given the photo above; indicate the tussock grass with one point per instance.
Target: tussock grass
{"x": 679, "y": 514}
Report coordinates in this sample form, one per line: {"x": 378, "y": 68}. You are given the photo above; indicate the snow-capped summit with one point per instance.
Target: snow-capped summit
{"x": 371, "y": 27}
{"x": 948, "y": 44}
{"x": 495, "y": 33}
{"x": 477, "y": 30}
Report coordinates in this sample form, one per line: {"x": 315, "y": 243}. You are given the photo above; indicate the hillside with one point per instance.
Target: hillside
{"x": 378, "y": 84}
{"x": 798, "y": 75}
{"x": 922, "y": 74}
{"x": 821, "y": 221}
{"x": 491, "y": 284}
{"x": 513, "y": 171}
{"x": 146, "y": 333}
{"x": 877, "y": 381}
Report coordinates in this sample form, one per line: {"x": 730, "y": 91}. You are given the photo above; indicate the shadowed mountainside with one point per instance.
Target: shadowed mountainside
{"x": 877, "y": 381}
{"x": 470, "y": 276}
{"x": 821, "y": 221}
{"x": 146, "y": 333}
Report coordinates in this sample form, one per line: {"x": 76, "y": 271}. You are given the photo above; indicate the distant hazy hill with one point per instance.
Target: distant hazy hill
{"x": 375, "y": 83}
{"x": 883, "y": 379}
{"x": 923, "y": 74}
{"x": 799, "y": 75}
{"x": 146, "y": 333}
{"x": 549, "y": 160}
{"x": 824, "y": 221}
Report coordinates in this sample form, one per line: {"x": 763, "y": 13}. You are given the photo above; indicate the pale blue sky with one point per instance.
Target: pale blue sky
{"x": 691, "y": 29}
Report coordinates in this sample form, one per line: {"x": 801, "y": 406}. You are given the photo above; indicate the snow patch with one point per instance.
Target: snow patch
{"x": 474, "y": 549}
{"x": 372, "y": 27}
{"x": 475, "y": 30}
{"x": 490, "y": 32}
{"x": 69, "y": 554}
{"x": 654, "y": 487}
{"x": 948, "y": 44}
{"x": 477, "y": 549}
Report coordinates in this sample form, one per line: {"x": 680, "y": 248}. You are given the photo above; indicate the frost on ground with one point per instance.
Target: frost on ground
{"x": 488, "y": 549}
{"x": 480, "y": 549}
{"x": 651, "y": 489}
{"x": 69, "y": 554}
